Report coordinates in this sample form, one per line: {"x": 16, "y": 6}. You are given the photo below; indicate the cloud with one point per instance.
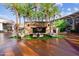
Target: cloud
{"x": 69, "y": 9}
{"x": 69, "y": 13}
{"x": 59, "y": 4}
{"x": 76, "y": 3}
{"x": 76, "y": 9}
{"x": 7, "y": 17}
{"x": 62, "y": 9}
{"x": 65, "y": 13}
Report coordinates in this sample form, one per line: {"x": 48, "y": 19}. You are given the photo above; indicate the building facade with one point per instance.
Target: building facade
{"x": 6, "y": 25}
{"x": 73, "y": 21}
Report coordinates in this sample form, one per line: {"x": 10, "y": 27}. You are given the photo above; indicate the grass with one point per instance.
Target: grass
{"x": 45, "y": 37}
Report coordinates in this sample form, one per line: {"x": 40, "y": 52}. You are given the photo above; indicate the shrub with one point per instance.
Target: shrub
{"x": 61, "y": 24}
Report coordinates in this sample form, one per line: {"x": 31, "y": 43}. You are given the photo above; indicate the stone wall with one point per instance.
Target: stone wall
{"x": 30, "y": 25}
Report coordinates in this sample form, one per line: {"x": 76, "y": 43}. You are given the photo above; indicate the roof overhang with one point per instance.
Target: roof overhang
{"x": 6, "y": 21}
{"x": 74, "y": 15}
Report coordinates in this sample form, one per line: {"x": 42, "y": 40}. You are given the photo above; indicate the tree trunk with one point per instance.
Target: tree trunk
{"x": 17, "y": 19}
{"x": 17, "y": 22}
{"x": 50, "y": 25}
{"x": 48, "y": 19}
{"x": 24, "y": 21}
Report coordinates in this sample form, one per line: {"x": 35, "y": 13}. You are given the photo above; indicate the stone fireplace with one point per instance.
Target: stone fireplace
{"x": 39, "y": 30}
{"x": 37, "y": 27}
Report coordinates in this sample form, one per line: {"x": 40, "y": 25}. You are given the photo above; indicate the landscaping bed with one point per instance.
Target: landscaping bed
{"x": 45, "y": 37}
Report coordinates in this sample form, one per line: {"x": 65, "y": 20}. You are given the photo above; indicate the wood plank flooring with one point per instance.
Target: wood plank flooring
{"x": 54, "y": 47}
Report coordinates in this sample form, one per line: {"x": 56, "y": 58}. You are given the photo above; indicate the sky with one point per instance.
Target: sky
{"x": 68, "y": 8}
{"x": 65, "y": 9}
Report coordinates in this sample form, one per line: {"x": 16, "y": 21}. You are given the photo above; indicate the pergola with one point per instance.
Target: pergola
{"x": 72, "y": 17}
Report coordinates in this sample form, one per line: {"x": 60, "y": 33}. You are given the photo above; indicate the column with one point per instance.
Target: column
{"x": 1, "y": 26}
{"x": 73, "y": 24}
{"x": 12, "y": 27}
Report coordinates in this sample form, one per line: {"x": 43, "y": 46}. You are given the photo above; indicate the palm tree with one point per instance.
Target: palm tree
{"x": 15, "y": 8}
{"x": 21, "y": 10}
{"x": 49, "y": 11}
{"x": 55, "y": 11}
{"x": 33, "y": 11}
{"x": 27, "y": 12}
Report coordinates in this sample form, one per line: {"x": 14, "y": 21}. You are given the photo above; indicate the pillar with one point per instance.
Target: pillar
{"x": 73, "y": 24}
{"x": 1, "y": 26}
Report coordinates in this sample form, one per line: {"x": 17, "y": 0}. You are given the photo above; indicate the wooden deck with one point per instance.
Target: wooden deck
{"x": 54, "y": 47}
